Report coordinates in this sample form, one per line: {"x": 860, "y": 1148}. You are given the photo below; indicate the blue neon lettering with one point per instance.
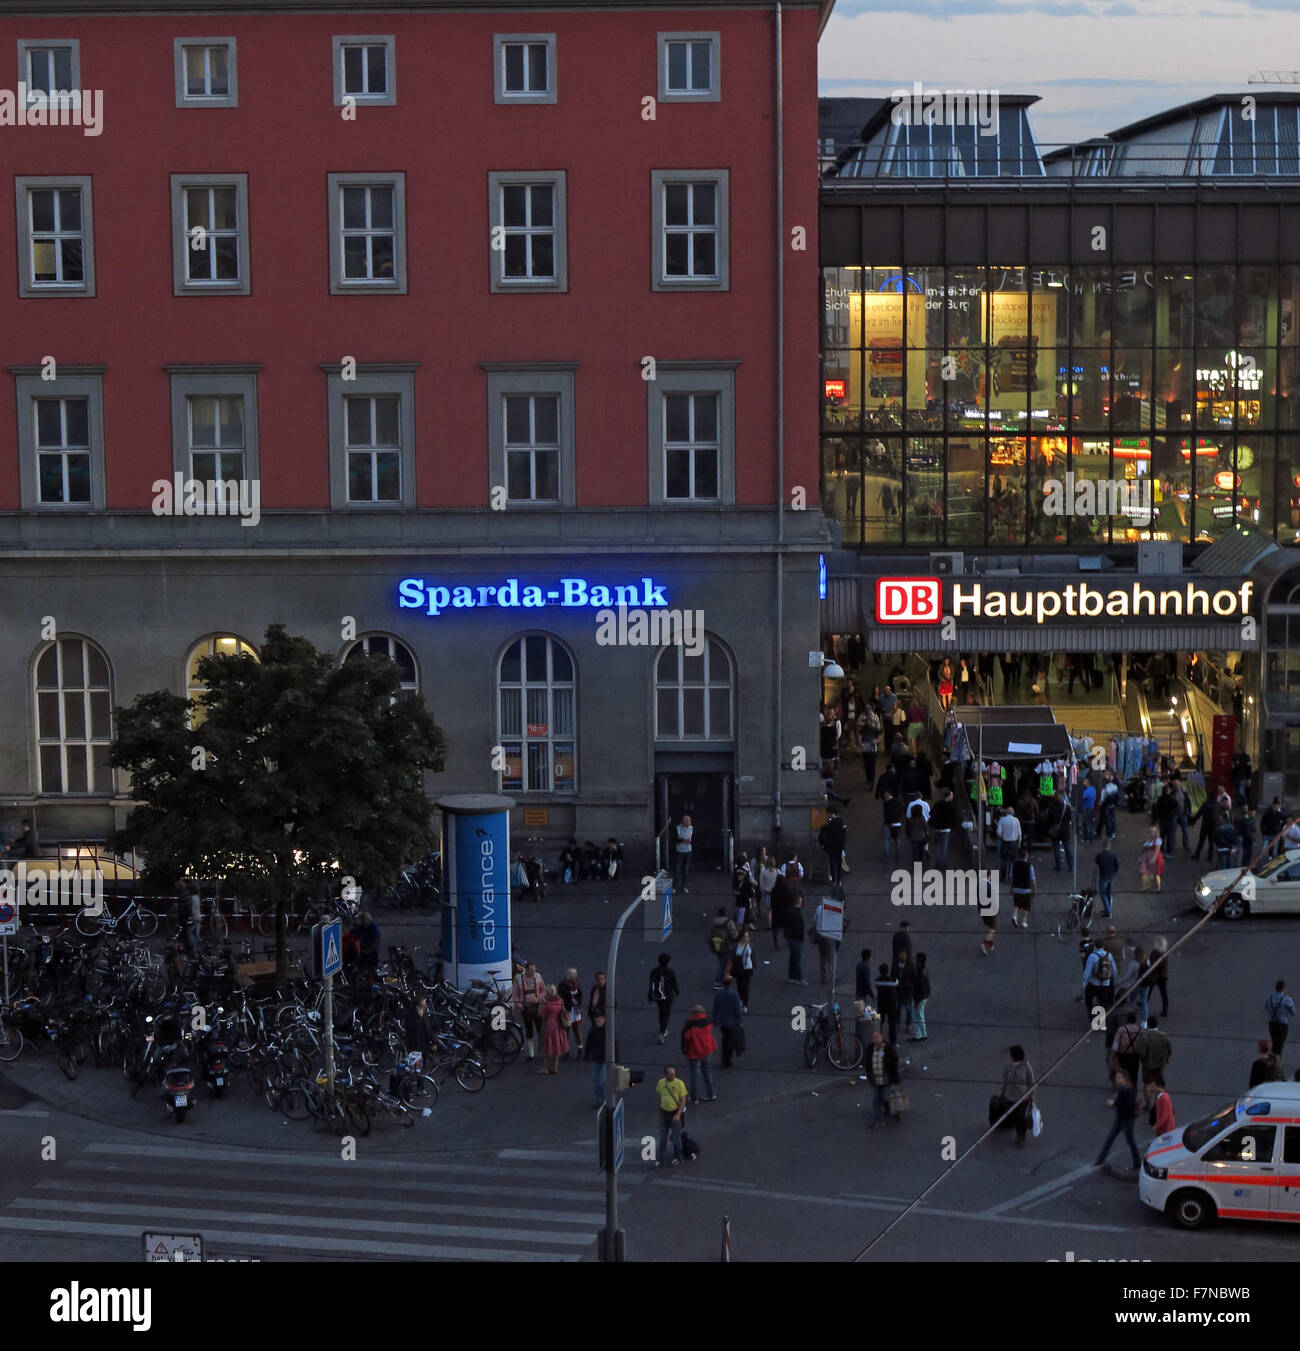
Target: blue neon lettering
{"x": 439, "y": 598}
{"x": 575, "y": 591}
{"x": 654, "y": 594}
{"x": 414, "y": 593}
{"x": 410, "y": 593}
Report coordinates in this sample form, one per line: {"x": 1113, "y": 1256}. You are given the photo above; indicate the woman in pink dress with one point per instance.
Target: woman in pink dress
{"x": 555, "y": 1032}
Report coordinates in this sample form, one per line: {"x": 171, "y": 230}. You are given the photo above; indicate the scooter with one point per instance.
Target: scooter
{"x": 178, "y": 1090}
{"x": 214, "y": 1054}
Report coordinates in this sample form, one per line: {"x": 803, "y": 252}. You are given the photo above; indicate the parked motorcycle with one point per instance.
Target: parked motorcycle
{"x": 178, "y": 1090}
{"x": 214, "y": 1055}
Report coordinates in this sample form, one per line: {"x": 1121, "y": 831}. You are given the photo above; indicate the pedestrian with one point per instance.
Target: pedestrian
{"x": 1271, "y": 824}
{"x": 368, "y": 936}
{"x": 1107, "y": 803}
{"x": 1062, "y": 831}
{"x": 1099, "y": 974}
{"x": 783, "y": 894}
{"x": 597, "y": 998}
{"x": 1124, "y": 1052}
{"x": 571, "y": 995}
{"x": 918, "y": 832}
{"x": 1161, "y": 1112}
{"x": 1208, "y": 815}
{"x": 595, "y": 1051}
{"x": 745, "y": 889}
{"x": 832, "y": 839}
{"x": 670, "y": 1093}
{"x": 1226, "y": 841}
{"x": 794, "y": 936}
{"x": 193, "y": 921}
{"x": 682, "y": 855}
{"x": 901, "y": 940}
{"x": 767, "y": 880}
{"x": 698, "y": 1044}
{"x": 905, "y": 975}
{"x": 1245, "y": 825}
{"x": 1155, "y": 1051}
{"x": 1088, "y": 810}
{"x": 1023, "y": 887}
{"x": 663, "y": 990}
{"x": 881, "y": 1065}
{"x": 1151, "y": 860}
{"x": 862, "y": 979}
{"x": 1018, "y": 1080}
{"x": 943, "y": 816}
{"x": 1009, "y": 835}
{"x": 1125, "y": 1105}
{"x": 742, "y": 967}
{"x": 990, "y": 903}
{"x": 722, "y": 938}
{"x": 826, "y": 946}
{"x": 887, "y": 1001}
{"x": 1266, "y": 1068}
{"x": 870, "y": 732}
{"x": 1160, "y": 971}
{"x": 1279, "y": 1009}
{"x": 1107, "y": 862}
{"x": 555, "y": 1032}
{"x": 727, "y": 1017}
{"x": 527, "y": 995}
{"x": 892, "y": 814}
{"x": 920, "y": 997}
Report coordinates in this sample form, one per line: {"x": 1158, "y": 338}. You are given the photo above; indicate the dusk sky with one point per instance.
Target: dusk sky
{"x": 1097, "y": 64}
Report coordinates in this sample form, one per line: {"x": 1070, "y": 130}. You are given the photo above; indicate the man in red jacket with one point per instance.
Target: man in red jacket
{"x": 698, "y": 1044}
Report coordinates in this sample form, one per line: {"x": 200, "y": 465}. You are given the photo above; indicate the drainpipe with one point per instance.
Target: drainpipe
{"x": 780, "y": 425}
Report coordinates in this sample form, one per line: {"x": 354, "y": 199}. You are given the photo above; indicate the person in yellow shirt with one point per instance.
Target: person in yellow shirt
{"x": 671, "y": 1094}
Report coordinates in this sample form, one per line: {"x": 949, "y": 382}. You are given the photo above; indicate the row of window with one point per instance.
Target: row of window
{"x": 527, "y": 247}
{"x": 532, "y": 450}
{"x": 536, "y": 704}
{"x": 365, "y": 69}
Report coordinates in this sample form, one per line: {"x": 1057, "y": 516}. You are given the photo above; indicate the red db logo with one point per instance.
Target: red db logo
{"x": 909, "y": 600}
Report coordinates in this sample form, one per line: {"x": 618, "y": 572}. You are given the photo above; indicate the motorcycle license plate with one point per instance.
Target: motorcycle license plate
{"x": 220, "y": 1081}
{"x": 182, "y": 1100}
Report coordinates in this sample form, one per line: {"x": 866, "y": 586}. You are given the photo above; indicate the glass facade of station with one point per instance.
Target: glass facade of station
{"x": 957, "y": 399}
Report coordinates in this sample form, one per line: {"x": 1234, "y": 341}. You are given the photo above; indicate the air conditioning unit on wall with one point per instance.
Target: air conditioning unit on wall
{"x": 947, "y": 565}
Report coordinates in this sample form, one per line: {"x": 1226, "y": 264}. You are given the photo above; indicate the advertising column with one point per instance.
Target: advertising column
{"x": 476, "y": 887}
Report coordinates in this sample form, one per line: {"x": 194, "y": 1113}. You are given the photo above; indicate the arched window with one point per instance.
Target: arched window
{"x": 74, "y": 717}
{"x": 218, "y": 645}
{"x": 383, "y": 645}
{"x": 536, "y": 698}
{"x": 693, "y": 695}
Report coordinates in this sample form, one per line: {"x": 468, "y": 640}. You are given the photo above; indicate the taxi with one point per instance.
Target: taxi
{"x": 1241, "y": 1163}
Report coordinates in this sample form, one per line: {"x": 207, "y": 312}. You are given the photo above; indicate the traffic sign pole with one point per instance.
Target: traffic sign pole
{"x": 329, "y": 1044}
{"x": 5, "y": 943}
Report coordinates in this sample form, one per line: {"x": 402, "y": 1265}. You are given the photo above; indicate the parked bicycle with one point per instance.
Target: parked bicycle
{"x": 1078, "y": 916}
{"x": 138, "y": 921}
{"x": 826, "y": 1033}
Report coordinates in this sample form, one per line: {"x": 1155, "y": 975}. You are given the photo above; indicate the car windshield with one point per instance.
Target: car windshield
{"x": 1275, "y": 864}
{"x": 1200, "y": 1133}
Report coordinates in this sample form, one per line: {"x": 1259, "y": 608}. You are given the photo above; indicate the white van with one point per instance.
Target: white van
{"x": 1242, "y": 1163}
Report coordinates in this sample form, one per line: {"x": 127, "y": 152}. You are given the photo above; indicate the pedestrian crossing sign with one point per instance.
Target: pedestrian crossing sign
{"x": 328, "y": 945}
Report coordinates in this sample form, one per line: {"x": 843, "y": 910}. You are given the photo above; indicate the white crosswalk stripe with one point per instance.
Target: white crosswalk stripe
{"x": 513, "y": 1205}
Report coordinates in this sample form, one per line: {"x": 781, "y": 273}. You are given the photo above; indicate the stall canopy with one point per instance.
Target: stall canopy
{"x": 1014, "y": 733}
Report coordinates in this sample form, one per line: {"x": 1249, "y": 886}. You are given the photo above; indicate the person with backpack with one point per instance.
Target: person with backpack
{"x": 663, "y": 990}
{"x": 1155, "y": 1051}
{"x": 831, "y": 839}
{"x": 1279, "y": 1008}
{"x": 698, "y": 1044}
{"x": 1023, "y": 886}
{"x": 1098, "y": 980}
{"x": 1123, "y": 1053}
{"x": 722, "y": 938}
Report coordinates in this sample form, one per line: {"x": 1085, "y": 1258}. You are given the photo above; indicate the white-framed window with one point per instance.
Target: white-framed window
{"x": 364, "y": 70}
{"x": 55, "y": 237}
{"x": 694, "y": 695}
{"x": 528, "y": 231}
{"x": 690, "y": 229}
{"x": 60, "y": 439}
{"x": 536, "y": 715}
{"x": 214, "y": 423}
{"x": 372, "y": 428}
{"x": 63, "y": 453}
{"x": 524, "y": 67}
{"x": 216, "y": 436}
{"x": 50, "y": 68}
{"x": 206, "y": 75}
{"x": 367, "y": 233}
{"x": 532, "y": 445}
{"x": 531, "y": 450}
{"x": 74, "y": 717}
{"x": 215, "y": 645}
{"x": 385, "y": 646}
{"x": 689, "y": 67}
{"x": 692, "y": 434}
{"x": 210, "y": 234}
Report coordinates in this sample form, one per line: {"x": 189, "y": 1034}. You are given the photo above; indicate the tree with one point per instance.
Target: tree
{"x": 288, "y": 774}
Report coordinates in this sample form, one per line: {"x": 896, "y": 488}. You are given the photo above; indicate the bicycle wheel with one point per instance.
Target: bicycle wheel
{"x": 219, "y": 926}
{"x": 294, "y": 1103}
{"x": 419, "y": 1092}
{"x": 470, "y": 1074}
{"x": 143, "y": 923}
{"x": 264, "y": 923}
{"x": 509, "y": 1041}
{"x": 487, "y": 1055}
{"x": 11, "y": 1040}
{"x": 355, "y": 1117}
{"x": 1085, "y": 912}
{"x": 67, "y": 1064}
{"x": 844, "y": 1050}
{"x": 811, "y": 1048}
{"x": 89, "y": 922}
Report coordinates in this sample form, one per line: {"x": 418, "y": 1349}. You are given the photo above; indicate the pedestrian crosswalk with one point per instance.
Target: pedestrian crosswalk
{"x": 513, "y": 1205}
